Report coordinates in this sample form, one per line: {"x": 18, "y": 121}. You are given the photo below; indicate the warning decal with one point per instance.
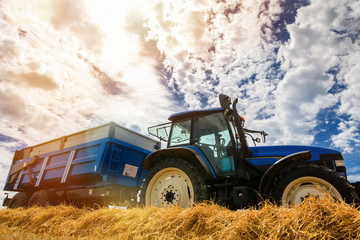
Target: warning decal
{"x": 130, "y": 170}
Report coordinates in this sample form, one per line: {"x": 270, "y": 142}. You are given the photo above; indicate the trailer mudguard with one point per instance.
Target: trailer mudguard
{"x": 269, "y": 176}
{"x": 189, "y": 153}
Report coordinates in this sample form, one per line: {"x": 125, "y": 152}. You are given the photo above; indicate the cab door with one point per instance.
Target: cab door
{"x": 211, "y": 135}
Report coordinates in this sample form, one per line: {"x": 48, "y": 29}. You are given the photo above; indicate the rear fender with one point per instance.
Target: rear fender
{"x": 268, "y": 178}
{"x": 191, "y": 154}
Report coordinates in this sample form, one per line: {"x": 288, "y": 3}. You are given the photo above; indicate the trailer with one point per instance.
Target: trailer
{"x": 101, "y": 165}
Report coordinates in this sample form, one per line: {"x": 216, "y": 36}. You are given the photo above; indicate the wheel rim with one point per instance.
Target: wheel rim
{"x": 170, "y": 187}
{"x": 303, "y": 187}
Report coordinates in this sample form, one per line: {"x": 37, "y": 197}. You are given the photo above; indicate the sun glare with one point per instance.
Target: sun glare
{"x": 120, "y": 42}
{"x": 119, "y": 22}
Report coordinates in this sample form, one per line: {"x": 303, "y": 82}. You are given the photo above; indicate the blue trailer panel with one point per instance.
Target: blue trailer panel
{"x": 108, "y": 156}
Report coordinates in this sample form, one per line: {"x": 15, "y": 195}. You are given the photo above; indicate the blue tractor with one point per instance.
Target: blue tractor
{"x": 208, "y": 158}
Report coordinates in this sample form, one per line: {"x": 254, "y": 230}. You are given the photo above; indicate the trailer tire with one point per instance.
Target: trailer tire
{"x": 173, "y": 182}
{"x": 305, "y": 180}
{"x": 20, "y": 199}
{"x": 43, "y": 198}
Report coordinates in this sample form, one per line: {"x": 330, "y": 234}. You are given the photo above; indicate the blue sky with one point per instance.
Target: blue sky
{"x": 69, "y": 65}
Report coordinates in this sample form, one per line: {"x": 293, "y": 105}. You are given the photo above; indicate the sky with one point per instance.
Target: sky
{"x": 68, "y": 65}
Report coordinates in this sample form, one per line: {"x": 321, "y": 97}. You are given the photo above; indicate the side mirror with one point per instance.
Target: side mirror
{"x": 225, "y": 101}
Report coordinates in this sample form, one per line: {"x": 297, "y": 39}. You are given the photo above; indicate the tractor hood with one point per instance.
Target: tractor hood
{"x": 282, "y": 151}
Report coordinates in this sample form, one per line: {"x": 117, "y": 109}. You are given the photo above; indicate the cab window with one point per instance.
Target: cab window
{"x": 180, "y": 133}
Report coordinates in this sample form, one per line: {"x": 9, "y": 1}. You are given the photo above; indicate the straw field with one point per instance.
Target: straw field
{"x": 313, "y": 219}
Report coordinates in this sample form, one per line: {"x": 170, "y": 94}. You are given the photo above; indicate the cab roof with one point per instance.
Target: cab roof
{"x": 192, "y": 113}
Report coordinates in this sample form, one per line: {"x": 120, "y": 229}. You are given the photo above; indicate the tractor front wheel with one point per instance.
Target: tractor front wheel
{"x": 312, "y": 180}
{"x": 173, "y": 182}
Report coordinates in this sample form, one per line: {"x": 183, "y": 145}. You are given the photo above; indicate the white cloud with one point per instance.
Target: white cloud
{"x": 353, "y": 177}
{"x": 348, "y": 137}
{"x": 226, "y": 38}
{"x": 313, "y": 49}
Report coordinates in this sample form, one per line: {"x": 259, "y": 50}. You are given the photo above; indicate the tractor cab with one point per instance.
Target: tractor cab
{"x": 210, "y": 132}
{"x": 215, "y": 132}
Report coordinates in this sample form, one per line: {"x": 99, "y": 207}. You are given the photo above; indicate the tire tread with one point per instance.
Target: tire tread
{"x": 43, "y": 198}
{"x": 346, "y": 190}
{"x": 20, "y": 199}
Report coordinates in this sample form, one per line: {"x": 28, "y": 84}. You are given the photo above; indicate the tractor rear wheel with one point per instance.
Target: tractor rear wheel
{"x": 43, "y": 198}
{"x": 173, "y": 182}
{"x": 313, "y": 180}
{"x": 20, "y": 199}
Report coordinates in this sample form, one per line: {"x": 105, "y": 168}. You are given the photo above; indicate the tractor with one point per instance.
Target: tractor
{"x": 208, "y": 158}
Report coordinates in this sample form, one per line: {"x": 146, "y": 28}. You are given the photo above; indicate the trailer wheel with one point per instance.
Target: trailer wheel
{"x": 43, "y": 198}
{"x": 313, "y": 180}
{"x": 173, "y": 182}
{"x": 20, "y": 199}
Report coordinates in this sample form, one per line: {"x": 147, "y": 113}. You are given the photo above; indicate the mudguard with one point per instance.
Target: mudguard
{"x": 268, "y": 178}
{"x": 191, "y": 154}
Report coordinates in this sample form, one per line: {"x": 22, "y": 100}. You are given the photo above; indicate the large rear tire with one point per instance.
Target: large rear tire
{"x": 43, "y": 198}
{"x": 20, "y": 199}
{"x": 313, "y": 180}
{"x": 173, "y": 182}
